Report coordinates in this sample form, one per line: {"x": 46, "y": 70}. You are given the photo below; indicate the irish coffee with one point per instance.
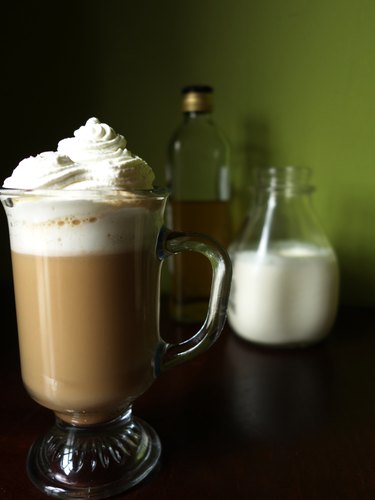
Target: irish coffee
{"x": 86, "y": 280}
{"x": 87, "y": 240}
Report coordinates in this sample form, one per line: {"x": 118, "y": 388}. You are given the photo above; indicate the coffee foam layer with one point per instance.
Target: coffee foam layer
{"x": 54, "y": 228}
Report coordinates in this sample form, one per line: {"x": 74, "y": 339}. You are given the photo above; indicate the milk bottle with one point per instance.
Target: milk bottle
{"x": 285, "y": 273}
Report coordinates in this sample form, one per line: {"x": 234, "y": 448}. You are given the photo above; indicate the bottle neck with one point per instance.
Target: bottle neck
{"x": 284, "y": 181}
{"x": 282, "y": 211}
{"x": 197, "y": 115}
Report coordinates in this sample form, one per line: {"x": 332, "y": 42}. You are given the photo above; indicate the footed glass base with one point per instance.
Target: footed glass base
{"x": 96, "y": 461}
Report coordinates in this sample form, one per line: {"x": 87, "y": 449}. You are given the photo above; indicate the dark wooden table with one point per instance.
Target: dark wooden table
{"x": 239, "y": 422}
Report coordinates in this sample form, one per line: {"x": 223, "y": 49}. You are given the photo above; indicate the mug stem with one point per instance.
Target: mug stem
{"x": 119, "y": 454}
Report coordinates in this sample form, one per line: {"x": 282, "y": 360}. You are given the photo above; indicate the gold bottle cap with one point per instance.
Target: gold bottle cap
{"x": 197, "y": 99}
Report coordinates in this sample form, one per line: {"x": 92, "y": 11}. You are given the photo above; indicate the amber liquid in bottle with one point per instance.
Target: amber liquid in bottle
{"x": 191, "y": 276}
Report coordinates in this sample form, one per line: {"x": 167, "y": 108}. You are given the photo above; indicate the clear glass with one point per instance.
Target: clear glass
{"x": 285, "y": 273}
{"x": 86, "y": 268}
{"x": 199, "y": 179}
{"x": 198, "y": 160}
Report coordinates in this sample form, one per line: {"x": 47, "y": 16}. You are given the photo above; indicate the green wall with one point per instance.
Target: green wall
{"x": 294, "y": 81}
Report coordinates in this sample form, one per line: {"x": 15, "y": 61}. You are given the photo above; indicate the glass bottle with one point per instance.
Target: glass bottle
{"x": 199, "y": 181}
{"x": 285, "y": 273}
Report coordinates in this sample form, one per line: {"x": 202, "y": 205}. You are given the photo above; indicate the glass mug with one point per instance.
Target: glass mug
{"x": 86, "y": 268}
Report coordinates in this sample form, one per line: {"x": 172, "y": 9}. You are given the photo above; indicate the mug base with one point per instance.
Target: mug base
{"x": 96, "y": 461}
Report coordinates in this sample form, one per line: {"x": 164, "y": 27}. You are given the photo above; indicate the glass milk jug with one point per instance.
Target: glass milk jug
{"x": 285, "y": 273}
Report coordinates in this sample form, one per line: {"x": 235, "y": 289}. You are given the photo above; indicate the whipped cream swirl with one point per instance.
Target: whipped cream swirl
{"x": 95, "y": 158}
{"x": 42, "y": 171}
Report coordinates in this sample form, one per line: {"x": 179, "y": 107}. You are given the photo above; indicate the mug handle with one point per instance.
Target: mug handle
{"x": 172, "y": 243}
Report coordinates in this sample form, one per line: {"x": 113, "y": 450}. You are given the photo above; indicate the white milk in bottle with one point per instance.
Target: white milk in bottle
{"x": 285, "y": 274}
